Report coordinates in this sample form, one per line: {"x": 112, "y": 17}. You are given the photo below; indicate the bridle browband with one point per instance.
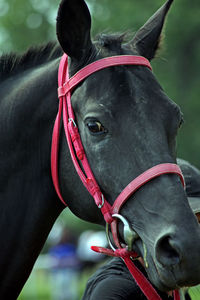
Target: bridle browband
{"x": 78, "y": 155}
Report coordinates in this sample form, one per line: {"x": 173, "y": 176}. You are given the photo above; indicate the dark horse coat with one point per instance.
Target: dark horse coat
{"x": 127, "y": 125}
{"x": 112, "y": 281}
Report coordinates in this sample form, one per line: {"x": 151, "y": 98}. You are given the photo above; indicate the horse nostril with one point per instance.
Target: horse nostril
{"x": 167, "y": 252}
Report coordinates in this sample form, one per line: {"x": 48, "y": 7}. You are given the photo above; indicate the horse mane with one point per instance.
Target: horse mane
{"x": 13, "y": 63}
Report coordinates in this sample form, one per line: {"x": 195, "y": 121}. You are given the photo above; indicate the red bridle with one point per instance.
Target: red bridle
{"x": 78, "y": 155}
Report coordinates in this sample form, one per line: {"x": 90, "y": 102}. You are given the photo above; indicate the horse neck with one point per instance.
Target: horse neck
{"x": 28, "y": 203}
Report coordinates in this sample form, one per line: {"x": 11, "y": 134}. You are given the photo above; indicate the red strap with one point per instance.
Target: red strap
{"x": 138, "y": 276}
{"x": 77, "y": 153}
{"x": 54, "y": 152}
{"x": 117, "y": 253}
{"x": 56, "y": 133}
{"x": 142, "y": 179}
{"x": 98, "y": 65}
{"x": 143, "y": 282}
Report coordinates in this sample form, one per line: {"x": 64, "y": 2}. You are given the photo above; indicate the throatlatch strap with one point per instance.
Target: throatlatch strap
{"x": 78, "y": 155}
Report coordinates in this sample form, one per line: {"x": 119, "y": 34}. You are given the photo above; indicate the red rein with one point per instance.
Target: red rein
{"x": 66, "y": 85}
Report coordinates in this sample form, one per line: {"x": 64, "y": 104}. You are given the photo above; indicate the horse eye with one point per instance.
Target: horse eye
{"x": 96, "y": 127}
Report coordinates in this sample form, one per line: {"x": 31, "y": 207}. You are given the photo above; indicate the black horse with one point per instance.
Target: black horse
{"x": 127, "y": 125}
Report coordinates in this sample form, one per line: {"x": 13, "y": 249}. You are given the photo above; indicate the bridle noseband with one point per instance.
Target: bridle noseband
{"x": 111, "y": 213}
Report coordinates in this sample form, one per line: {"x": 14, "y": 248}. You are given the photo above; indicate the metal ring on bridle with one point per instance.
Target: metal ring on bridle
{"x": 108, "y": 238}
{"x": 129, "y": 234}
{"x": 102, "y": 202}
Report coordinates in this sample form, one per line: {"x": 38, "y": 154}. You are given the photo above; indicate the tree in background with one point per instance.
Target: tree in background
{"x": 31, "y": 22}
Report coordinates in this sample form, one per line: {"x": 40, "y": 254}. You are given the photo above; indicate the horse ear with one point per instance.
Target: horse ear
{"x": 73, "y": 28}
{"x": 147, "y": 39}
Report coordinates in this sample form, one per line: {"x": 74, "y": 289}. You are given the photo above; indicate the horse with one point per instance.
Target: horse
{"x": 127, "y": 125}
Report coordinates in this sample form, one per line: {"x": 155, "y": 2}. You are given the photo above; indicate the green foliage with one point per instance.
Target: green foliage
{"x": 29, "y": 22}
{"x": 195, "y": 292}
{"x": 75, "y": 224}
{"x": 38, "y": 286}
{"x": 24, "y": 23}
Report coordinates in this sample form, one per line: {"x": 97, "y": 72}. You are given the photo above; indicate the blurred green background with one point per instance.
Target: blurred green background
{"x": 31, "y": 22}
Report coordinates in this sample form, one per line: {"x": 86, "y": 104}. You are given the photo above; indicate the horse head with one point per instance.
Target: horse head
{"x": 127, "y": 125}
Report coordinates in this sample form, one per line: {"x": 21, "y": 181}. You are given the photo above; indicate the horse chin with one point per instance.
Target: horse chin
{"x": 165, "y": 280}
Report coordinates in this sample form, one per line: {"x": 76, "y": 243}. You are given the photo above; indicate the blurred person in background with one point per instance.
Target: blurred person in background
{"x": 65, "y": 267}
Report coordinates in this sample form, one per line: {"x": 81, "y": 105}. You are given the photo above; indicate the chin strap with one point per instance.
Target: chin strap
{"x": 66, "y": 114}
{"x": 128, "y": 256}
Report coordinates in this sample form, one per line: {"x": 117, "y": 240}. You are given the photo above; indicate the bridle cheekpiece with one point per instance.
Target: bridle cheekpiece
{"x": 111, "y": 213}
